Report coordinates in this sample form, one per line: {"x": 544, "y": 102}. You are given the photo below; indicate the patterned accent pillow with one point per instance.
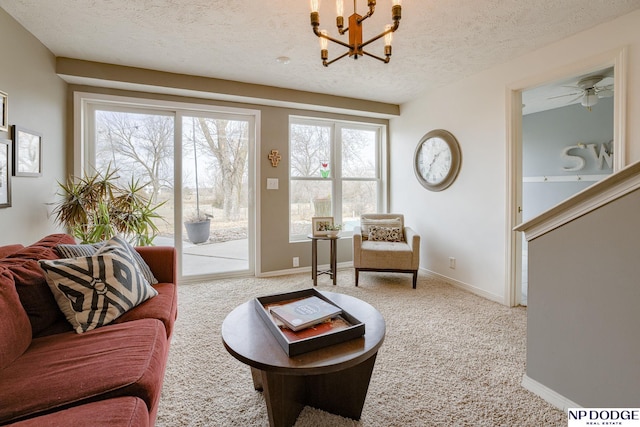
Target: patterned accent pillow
{"x": 366, "y": 224}
{"x": 92, "y": 291}
{"x": 385, "y": 234}
{"x": 73, "y": 251}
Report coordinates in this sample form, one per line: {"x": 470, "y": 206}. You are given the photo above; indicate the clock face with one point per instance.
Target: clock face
{"x": 437, "y": 160}
{"x": 434, "y": 160}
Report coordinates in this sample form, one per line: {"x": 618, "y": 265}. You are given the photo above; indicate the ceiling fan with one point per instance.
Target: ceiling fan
{"x": 589, "y": 89}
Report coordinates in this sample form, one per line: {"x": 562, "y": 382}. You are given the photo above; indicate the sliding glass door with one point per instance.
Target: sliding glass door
{"x": 197, "y": 164}
{"x": 215, "y": 194}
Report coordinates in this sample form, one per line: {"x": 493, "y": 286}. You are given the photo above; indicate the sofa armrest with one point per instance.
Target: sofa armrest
{"x": 162, "y": 262}
{"x": 357, "y": 245}
{"x": 413, "y": 240}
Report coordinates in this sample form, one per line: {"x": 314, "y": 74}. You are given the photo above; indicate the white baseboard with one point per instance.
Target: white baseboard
{"x": 276, "y": 273}
{"x": 551, "y": 396}
{"x": 464, "y": 286}
{"x": 349, "y": 264}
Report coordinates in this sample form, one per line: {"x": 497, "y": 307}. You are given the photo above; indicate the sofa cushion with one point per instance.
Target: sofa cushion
{"x": 70, "y": 369}
{"x": 162, "y": 307}
{"x": 162, "y": 261}
{"x": 72, "y": 251}
{"x": 9, "y": 249}
{"x": 15, "y": 330}
{"x": 385, "y": 234}
{"x": 31, "y": 285}
{"x": 93, "y": 291}
{"x": 125, "y": 411}
{"x": 43, "y": 248}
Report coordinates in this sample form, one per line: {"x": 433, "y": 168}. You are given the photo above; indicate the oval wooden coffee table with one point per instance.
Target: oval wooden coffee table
{"x": 334, "y": 378}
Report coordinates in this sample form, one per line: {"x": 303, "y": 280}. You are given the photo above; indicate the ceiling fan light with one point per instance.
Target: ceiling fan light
{"x": 589, "y": 99}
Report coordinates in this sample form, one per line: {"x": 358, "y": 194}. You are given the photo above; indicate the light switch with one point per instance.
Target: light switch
{"x": 272, "y": 183}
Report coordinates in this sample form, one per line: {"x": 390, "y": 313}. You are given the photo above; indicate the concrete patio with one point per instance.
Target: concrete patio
{"x": 212, "y": 257}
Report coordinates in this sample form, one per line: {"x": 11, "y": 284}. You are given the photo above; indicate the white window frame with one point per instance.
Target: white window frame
{"x": 336, "y": 161}
{"x": 85, "y": 104}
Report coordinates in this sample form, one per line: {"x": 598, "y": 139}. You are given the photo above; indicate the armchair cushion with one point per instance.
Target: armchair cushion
{"x": 379, "y": 220}
{"x": 385, "y": 234}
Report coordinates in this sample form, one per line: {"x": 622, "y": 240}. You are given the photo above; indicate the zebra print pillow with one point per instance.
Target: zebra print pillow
{"x": 92, "y": 291}
{"x": 88, "y": 249}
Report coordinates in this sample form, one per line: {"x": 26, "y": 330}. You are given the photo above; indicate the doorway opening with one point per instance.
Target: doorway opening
{"x": 563, "y": 137}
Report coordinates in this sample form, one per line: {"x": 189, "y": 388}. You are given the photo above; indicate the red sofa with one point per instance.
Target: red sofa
{"x": 52, "y": 376}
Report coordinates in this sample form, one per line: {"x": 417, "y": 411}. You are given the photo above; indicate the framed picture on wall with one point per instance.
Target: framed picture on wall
{"x": 27, "y": 152}
{"x": 321, "y": 224}
{"x": 5, "y": 173}
{"x": 4, "y": 112}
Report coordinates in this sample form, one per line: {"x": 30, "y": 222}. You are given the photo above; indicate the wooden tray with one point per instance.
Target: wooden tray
{"x": 345, "y": 327}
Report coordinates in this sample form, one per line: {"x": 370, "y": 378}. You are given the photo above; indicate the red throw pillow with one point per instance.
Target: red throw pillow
{"x": 9, "y": 249}
{"x": 15, "y": 331}
{"x": 31, "y": 284}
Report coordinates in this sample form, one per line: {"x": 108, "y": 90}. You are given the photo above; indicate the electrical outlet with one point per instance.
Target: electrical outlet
{"x": 452, "y": 263}
{"x": 296, "y": 261}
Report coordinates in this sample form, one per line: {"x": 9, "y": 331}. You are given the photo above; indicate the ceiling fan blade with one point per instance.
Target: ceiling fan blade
{"x": 606, "y": 93}
{"x": 566, "y": 94}
{"x": 575, "y": 99}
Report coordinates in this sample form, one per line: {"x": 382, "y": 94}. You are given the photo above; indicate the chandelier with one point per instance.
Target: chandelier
{"x": 355, "y": 45}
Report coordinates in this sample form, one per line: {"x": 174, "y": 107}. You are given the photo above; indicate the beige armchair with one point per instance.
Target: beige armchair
{"x": 383, "y": 243}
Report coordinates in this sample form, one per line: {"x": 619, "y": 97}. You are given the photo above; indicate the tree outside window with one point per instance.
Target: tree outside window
{"x": 334, "y": 171}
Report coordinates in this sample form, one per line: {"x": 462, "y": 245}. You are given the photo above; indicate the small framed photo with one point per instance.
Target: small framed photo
{"x": 27, "y": 152}
{"x": 321, "y": 224}
{"x": 4, "y": 112}
{"x": 5, "y": 173}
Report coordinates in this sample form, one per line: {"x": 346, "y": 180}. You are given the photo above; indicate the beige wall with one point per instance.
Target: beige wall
{"x": 469, "y": 220}
{"x": 37, "y": 99}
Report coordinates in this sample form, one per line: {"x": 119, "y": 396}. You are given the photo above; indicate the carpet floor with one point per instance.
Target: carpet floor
{"x": 450, "y": 358}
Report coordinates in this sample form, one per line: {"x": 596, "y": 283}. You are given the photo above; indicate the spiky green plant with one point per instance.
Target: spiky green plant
{"x": 95, "y": 208}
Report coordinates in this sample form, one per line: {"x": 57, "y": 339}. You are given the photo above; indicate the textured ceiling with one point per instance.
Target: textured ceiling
{"x": 438, "y": 42}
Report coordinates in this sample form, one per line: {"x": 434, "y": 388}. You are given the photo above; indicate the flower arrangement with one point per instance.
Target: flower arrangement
{"x": 333, "y": 229}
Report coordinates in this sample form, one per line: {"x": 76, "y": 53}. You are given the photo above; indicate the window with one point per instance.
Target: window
{"x": 335, "y": 170}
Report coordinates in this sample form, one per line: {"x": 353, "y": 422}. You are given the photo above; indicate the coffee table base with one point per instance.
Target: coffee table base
{"x": 342, "y": 393}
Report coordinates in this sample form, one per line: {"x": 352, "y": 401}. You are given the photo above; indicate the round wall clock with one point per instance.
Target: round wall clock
{"x": 437, "y": 160}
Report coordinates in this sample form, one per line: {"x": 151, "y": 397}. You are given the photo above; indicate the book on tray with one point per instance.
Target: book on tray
{"x": 304, "y": 313}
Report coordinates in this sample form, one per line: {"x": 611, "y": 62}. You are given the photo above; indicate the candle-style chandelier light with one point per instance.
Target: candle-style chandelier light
{"x": 355, "y": 45}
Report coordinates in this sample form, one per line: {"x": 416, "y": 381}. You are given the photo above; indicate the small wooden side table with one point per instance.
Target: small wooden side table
{"x": 333, "y": 243}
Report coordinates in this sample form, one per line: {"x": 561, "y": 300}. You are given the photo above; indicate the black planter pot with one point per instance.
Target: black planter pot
{"x": 198, "y": 232}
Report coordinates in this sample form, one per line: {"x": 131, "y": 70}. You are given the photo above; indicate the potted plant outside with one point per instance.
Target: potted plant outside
{"x": 198, "y": 227}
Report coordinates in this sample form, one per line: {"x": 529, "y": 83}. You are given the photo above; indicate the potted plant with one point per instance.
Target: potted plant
{"x": 96, "y": 207}
{"x": 333, "y": 230}
{"x": 198, "y": 227}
